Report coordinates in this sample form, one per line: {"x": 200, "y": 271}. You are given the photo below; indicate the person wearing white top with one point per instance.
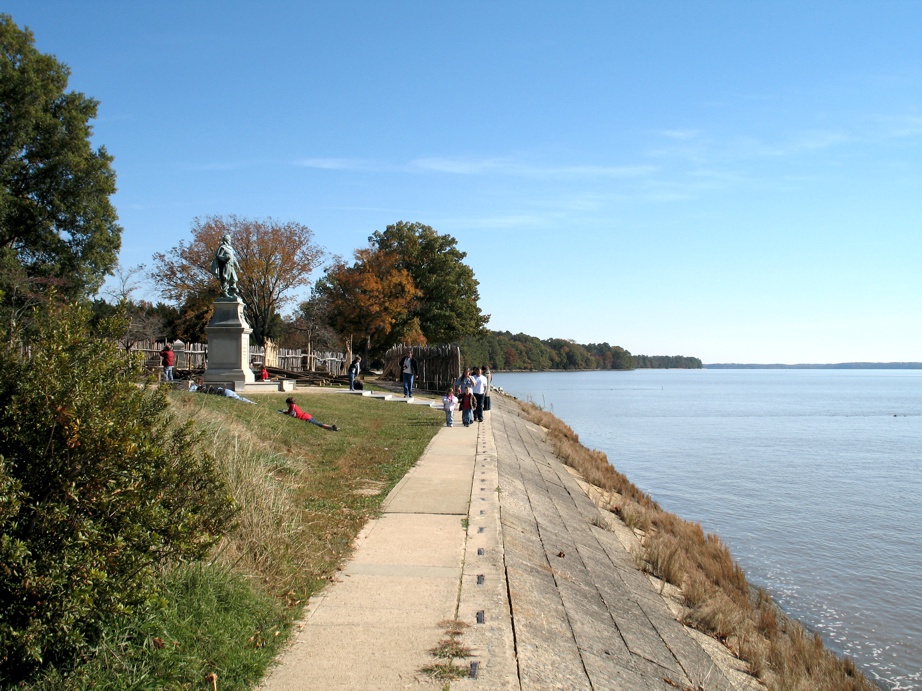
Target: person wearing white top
{"x": 479, "y": 389}
{"x": 449, "y": 401}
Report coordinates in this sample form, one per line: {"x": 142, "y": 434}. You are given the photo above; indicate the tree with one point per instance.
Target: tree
{"x": 447, "y": 308}
{"x": 20, "y": 294}
{"x": 56, "y": 220}
{"x": 141, "y": 321}
{"x": 366, "y": 300}
{"x": 99, "y": 488}
{"x": 275, "y": 258}
{"x": 309, "y": 328}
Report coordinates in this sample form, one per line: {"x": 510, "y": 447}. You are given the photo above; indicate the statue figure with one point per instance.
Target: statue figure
{"x": 224, "y": 266}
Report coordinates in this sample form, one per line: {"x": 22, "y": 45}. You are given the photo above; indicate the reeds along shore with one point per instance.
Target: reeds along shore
{"x": 717, "y": 598}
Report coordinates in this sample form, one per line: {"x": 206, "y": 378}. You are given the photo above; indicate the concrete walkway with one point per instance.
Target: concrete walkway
{"x": 491, "y": 530}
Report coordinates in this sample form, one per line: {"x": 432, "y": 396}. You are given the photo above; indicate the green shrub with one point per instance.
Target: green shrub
{"x": 213, "y": 623}
{"x": 99, "y": 486}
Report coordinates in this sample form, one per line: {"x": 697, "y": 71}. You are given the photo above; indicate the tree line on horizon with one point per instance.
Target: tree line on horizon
{"x": 503, "y": 350}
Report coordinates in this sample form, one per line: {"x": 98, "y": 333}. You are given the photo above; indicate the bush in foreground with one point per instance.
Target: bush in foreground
{"x": 99, "y": 487}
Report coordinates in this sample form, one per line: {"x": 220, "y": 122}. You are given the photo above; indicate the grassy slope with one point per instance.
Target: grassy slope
{"x": 300, "y": 509}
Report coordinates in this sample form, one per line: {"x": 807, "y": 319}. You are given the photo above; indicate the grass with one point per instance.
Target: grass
{"x": 718, "y": 599}
{"x": 211, "y": 622}
{"x": 302, "y": 494}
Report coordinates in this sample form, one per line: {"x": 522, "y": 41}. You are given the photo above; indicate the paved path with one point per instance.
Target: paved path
{"x": 490, "y": 529}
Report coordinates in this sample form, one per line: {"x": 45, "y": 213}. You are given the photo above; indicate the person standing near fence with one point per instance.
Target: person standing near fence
{"x": 408, "y": 371}
{"x": 167, "y": 360}
{"x": 354, "y": 370}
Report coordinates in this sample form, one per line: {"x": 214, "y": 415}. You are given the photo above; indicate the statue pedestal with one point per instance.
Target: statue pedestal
{"x": 228, "y": 346}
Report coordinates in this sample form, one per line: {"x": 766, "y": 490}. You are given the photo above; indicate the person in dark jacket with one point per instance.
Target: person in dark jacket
{"x": 354, "y": 370}
{"x": 408, "y": 372}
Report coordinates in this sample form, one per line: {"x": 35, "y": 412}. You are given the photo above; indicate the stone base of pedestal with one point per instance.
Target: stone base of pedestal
{"x": 228, "y": 346}
{"x": 270, "y": 386}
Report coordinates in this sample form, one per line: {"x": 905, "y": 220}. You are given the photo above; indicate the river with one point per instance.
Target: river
{"x": 813, "y": 479}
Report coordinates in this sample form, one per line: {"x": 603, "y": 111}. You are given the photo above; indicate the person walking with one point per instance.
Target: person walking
{"x": 479, "y": 390}
{"x": 167, "y": 360}
{"x": 464, "y": 381}
{"x": 295, "y": 411}
{"x": 408, "y": 372}
{"x": 354, "y": 370}
{"x": 467, "y": 406}
{"x": 486, "y": 397}
{"x": 449, "y": 401}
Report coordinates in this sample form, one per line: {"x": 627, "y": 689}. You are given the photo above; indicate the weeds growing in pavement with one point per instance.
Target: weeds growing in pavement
{"x": 449, "y": 649}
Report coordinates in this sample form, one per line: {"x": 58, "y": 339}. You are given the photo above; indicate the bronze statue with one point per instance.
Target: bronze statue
{"x": 224, "y": 266}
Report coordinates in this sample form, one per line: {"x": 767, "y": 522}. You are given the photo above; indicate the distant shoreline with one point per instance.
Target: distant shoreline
{"x": 735, "y": 365}
{"x": 841, "y": 365}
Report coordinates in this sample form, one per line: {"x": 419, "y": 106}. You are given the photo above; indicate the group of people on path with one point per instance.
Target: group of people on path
{"x": 471, "y": 393}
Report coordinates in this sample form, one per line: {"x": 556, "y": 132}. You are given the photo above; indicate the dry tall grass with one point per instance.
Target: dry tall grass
{"x": 719, "y": 600}
{"x": 302, "y": 491}
{"x": 268, "y": 521}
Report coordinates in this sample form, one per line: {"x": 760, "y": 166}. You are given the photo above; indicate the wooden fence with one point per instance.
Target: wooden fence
{"x": 193, "y": 356}
{"x": 438, "y": 367}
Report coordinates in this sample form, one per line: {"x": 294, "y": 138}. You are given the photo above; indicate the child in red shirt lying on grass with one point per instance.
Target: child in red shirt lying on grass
{"x": 295, "y": 411}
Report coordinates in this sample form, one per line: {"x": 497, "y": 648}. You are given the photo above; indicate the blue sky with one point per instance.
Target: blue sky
{"x": 738, "y": 181}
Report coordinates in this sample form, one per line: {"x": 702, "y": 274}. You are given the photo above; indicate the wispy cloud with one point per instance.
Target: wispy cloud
{"x": 515, "y": 168}
{"x": 902, "y": 127}
{"x": 224, "y": 166}
{"x": 680, "y": 134}
{"x": 346, "y": 164}
{"x": 696, "y": 147}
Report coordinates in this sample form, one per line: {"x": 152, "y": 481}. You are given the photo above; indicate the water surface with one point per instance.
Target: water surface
{"x": 813, "y": 478}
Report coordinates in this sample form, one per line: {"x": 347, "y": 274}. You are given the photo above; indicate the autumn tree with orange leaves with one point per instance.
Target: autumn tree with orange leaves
{"x": 275, "y": 258}
{"x": 367, "y": 299}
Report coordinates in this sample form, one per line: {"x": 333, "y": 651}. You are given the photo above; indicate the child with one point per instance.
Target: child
{"x": 467, "y": 406}
{"x": 448, "y": 405}
{"x": 264, "y": 374}
{"x": 295, "y": 411}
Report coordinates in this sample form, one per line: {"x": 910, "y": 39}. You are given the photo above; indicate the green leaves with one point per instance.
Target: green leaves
{"x": 99, "y": 486}
{"x": 55, "y": 212}
{"x": 448, "y": 307}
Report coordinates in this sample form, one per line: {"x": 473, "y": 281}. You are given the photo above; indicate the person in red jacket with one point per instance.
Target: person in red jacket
{"x": 467, "y": 406}
{"x": 295, "y": 411}
{"x": 167, "y": 359}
